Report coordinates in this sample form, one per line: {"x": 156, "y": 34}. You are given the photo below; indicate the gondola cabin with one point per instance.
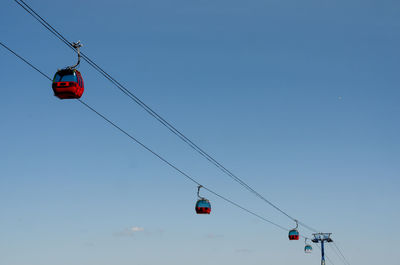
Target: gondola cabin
{"x": 203, "y": 206}
{"x": 68, "y": 84}
{"x": 308, "y": 249}
{"x": 294, "y": 234}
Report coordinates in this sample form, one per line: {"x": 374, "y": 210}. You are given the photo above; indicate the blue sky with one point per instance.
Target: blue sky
{"x": 299, "y": 99}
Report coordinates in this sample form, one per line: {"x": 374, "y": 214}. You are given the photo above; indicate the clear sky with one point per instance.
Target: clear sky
{"x": 298, "y": 98}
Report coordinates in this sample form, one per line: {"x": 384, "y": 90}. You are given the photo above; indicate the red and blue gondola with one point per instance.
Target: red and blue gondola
{"x": 294, "y": 234}
{"x": 203, "y": 206}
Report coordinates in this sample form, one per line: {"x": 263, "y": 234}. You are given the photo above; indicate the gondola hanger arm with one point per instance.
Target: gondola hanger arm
{"x": 77, "y": 45}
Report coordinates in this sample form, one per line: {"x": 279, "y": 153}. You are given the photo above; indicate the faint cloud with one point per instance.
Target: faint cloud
{"x": 136, "y": 229}
{"x": 131, "y": 231}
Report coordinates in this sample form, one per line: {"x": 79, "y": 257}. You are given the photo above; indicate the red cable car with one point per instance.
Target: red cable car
{"x": 294, "y": 233}
{"x": 203, "y": 205}
{"x": 68, "y": 82}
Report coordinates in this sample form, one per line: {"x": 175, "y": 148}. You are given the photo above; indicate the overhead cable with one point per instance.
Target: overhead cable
{"x": 158, "y": 117}
{"x": 186, "y": 175}
{"x": 337, "y": 254}
{"x": 341, "y": 254}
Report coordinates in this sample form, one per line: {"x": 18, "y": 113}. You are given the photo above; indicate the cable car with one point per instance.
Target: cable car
{"x": 308, "y": 249}
{"x": 203, "y": 205}
{"x": 68, "y": 82}
{"x": 294, "y": 233}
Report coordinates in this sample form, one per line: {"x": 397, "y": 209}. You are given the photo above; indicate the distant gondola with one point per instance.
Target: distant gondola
{"x": 307, "y": 247}
{"x": 294, "y": 233}
{"x": 203, "y": 205}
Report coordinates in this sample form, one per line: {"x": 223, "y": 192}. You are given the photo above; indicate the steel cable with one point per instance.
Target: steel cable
{"x": 158, "y": 117}
{"x": 153, "y": 152}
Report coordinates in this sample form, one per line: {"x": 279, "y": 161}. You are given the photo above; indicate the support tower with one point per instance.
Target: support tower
{"x": 322, "y": 237}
